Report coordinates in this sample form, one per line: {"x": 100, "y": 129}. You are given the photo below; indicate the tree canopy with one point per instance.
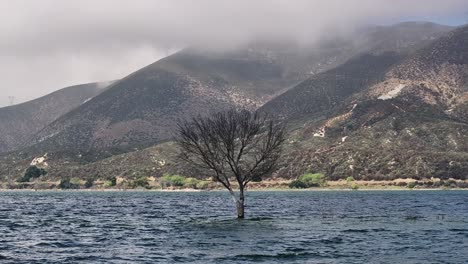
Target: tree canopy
{"x": 234, "y": 146}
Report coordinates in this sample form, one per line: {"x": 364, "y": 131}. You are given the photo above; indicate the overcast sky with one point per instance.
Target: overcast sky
{"x": 46, "y": 45}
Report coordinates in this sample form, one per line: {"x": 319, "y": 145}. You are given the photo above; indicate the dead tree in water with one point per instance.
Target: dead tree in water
{"x": 230, "y": 146}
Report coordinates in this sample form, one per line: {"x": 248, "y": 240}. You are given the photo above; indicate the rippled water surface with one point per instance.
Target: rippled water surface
{"x": 282, "y": 227}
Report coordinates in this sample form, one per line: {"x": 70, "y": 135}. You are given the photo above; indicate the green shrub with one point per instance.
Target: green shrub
{"x": 309, "y": 180}
{"x": 172, "y": 180}
{"x": 113, "y": 181}
{"x": 89, "y": 183}
{"x": 354, "y": 186}
{"x": 350, "y": 179}
{"x": 449, "y": 184}
{"x": 32, "y": 172}
{"x": 313, "y": 179}
{"x": 202, "y": 185}
{"x": 411, "y": 185}
{"x": 191, "y": 183}
{"x": 141, "y": 182}
{"x": 66, "y": 183}
{"x": 110, "y": 182}
{"x": 75, "y": 181}
{"x": 297, "y": 184}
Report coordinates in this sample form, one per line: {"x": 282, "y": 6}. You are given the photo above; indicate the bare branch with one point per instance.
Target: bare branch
{"x": 233, "y": 144}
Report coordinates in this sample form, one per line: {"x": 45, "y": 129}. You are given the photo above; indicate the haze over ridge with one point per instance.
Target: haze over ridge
{"x": 51, "y": 44}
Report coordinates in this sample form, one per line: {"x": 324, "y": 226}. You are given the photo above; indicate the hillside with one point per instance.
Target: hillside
{"x": 143, "y": 108}
{"x": 320, "y": 94}
{"x": 18, "y": 123}
{"x": 441, "y": 69}
{"x": 339, "y": 99}
{"x": 394, "y": 52}
{"x": 410, "y": 122}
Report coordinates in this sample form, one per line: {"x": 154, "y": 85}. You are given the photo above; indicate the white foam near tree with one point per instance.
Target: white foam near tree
{"x": 393, "y": 93}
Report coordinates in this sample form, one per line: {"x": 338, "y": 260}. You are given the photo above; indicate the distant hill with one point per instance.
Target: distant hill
{"x": 143, "y": 108}
{"x": 18, "y": 123}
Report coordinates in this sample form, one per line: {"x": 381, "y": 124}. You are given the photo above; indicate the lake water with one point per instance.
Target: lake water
{"x": 281, "y": 227}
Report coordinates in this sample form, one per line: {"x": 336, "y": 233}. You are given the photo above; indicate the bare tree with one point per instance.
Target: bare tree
{"x": 235, "y": 145}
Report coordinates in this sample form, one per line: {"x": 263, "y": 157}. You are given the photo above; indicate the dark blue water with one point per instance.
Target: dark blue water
{"x": 282, "y": 227}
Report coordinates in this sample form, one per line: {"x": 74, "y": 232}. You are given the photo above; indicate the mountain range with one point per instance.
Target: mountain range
{"x": 387, "y": 102}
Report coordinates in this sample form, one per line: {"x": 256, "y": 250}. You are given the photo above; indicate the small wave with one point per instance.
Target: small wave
{"x": 57, "y": 244}
{"x": 356, "y": 230}
{"x": 333, "y": 240}
{"x": 294, "y": 249}
{"x": 413, "y": 217}
{"x": 257, "y": 219}
{"x": 458, "y": 230}
{"x": 279, "y": 256}
{"x": 379, "y": 230}
{"x": 365, "y": 230}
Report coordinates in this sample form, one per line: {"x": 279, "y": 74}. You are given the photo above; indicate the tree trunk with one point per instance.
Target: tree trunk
{"x": 240, "y": 209}
{"x": 240, "y": 204}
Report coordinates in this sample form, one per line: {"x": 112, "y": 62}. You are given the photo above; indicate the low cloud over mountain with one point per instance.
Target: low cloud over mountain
{"x": 45, "y": 45}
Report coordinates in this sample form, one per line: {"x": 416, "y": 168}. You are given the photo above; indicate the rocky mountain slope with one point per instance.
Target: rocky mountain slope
{"x": 394, "y": 52}
{"x": 319, "y": 95}
{"x": 18, "y": 123}
{"x": 410, "y": 122}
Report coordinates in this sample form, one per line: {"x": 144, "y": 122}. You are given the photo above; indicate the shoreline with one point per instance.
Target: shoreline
{"x": 278, "y": 184}
{"x": 248, "y": 190}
